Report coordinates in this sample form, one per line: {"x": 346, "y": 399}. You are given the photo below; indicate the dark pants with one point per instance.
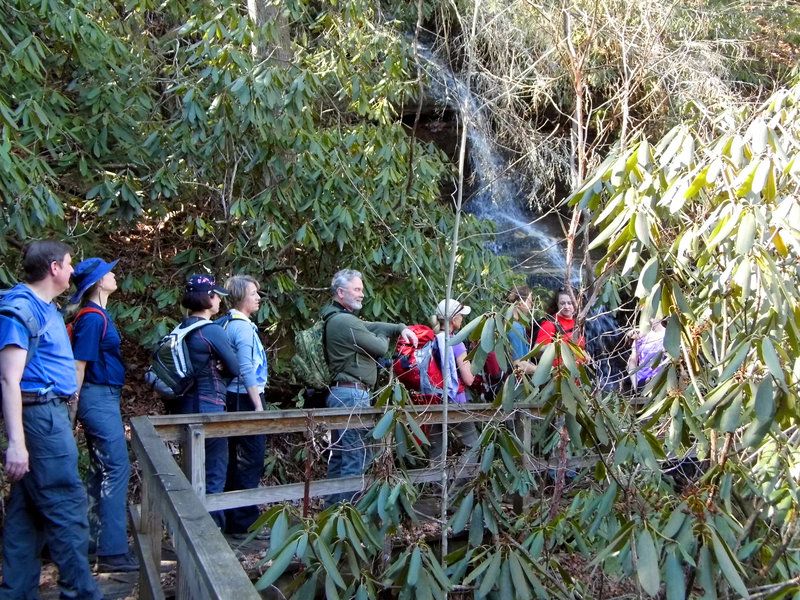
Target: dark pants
{"x": 245, "y": 466}
{"x": 48, "y": 505}
{"x": 216, "y": 449}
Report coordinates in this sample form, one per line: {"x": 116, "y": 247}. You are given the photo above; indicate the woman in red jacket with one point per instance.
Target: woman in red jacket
{"x": 562, "y": 307}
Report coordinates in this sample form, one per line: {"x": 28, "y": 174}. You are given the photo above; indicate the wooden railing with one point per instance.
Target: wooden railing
{"x": 173, "y": 497}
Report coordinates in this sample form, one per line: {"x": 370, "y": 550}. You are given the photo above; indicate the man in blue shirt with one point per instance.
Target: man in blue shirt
{"x": 47, "y": 503}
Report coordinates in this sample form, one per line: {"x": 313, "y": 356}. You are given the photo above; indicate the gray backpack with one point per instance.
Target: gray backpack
{"x": 171, "y": 373}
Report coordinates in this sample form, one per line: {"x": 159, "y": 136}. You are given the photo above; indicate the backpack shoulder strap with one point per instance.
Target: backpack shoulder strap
{"x": 325, "y": 320}
{"x": 559, "y": 327}
{"x": 226, "y": 319}
{"x": 92, "y": 309}
{"x": 557, "y": 324}
{"x": 21, "y": 311}
{"x": 24, "y": 315}
{"x": 182, "y": 332}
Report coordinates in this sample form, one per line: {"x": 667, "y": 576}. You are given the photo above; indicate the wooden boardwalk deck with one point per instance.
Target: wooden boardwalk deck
{"x": 174, "y": 499}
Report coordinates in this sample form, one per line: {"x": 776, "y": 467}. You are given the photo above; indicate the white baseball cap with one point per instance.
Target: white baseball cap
{"x": 447, "y": 309}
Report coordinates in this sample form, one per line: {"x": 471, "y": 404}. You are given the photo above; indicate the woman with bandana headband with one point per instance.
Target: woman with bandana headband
{"x": 214, "y": 363}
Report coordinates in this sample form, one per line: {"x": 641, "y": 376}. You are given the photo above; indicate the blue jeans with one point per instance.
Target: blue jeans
{"x": 216, "y": 449}
{"x": 245, "y": 465}
{"x": 350, "y": 453}
{"x": 109, "y": 467}
{"x": 48, "y": 505}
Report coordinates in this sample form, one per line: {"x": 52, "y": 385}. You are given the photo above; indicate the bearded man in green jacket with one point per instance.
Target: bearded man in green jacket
{"x": 352, "y": 348}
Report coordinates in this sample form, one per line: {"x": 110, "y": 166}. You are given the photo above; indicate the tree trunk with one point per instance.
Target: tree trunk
{"x": 263, "y": 13}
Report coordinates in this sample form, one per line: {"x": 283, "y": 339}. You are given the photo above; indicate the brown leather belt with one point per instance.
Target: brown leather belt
{"x": 352, "y": 384}
{"x": 32, "y": 398}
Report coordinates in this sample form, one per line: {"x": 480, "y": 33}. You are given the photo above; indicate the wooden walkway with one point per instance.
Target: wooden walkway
{"x": 114, "y": 586}
{"x": 174, "y": 497}
{"x": 195, "y": 560}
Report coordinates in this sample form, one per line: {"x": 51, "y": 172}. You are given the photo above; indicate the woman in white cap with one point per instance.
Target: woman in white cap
{"x": 101, "y": 374}
{"x": 454, "y": 312}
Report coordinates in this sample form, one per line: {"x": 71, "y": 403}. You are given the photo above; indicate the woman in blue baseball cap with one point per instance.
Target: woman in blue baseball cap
{"x": 101, "y": 374}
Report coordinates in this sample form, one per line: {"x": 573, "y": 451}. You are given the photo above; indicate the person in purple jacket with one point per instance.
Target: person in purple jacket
{"x": 647, "y": 354}
{"x": 101, "y": 374}
{"x": 454, "y": 312}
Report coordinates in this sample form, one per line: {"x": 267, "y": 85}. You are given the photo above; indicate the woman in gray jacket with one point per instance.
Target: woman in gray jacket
{"x": 245, "y": 393}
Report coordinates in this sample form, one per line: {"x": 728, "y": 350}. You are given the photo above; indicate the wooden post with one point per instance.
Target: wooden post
{"x": 151, "y": 530}
{"x": 194, "y": 466}
{"x": 194, "y": 459}
{"x": 185, "y": 574}
{"x": 307, "y": 473}
{"x": 148, "y": 526}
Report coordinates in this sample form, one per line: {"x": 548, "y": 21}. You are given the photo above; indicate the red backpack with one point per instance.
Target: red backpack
{"x": 83, "y": 311}
{"x": 405, "y": 366}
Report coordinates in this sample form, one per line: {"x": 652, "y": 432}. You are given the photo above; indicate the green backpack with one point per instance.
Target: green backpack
{"x": 310, "y": 362}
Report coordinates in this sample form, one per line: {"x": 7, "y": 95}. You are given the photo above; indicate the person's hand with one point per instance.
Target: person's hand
{"x": 73, "y": 408}
{"x": 73, "y": 413}
{"x": 409, "y": 337}
{"x": 16, "y": 461}
{"x": 258, "y": 407}
{"x": 524, "y": 367}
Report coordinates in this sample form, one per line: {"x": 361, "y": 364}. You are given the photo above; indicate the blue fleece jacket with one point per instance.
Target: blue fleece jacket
{"x": 243, "y": 336}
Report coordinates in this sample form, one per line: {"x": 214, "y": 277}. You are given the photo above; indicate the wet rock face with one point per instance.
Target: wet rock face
{"x": 436, "y": 124}
{"x": 439, "y": 126}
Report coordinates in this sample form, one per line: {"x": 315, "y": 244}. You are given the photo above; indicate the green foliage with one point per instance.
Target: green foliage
{"x": 343, "y": 547}
{"x": 159, "y": 127}
{"x": 703, "y": 229}
{"x": 677, "y": 223}
{"x": 608, "y": 69}
{"x": 700, "y": 227}
{"x": 161, "y": 130}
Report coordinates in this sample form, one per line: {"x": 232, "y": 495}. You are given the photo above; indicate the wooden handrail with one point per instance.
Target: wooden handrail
{"x": 173, "y": 427}
{"x": 175, "y": 498}
{"x": 208, "y": 567}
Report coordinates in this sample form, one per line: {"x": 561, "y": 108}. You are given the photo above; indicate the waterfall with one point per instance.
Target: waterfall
{"x": 497, "y": 197}
{"x": 497, "y": 191}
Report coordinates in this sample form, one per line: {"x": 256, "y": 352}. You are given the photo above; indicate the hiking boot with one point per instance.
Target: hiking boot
{"x": 117, "y": 563}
